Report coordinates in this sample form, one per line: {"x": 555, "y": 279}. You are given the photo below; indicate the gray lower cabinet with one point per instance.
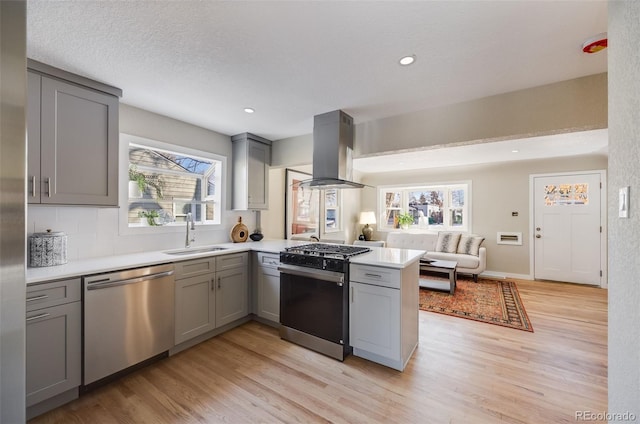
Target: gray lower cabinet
{"x": 53, "y": 344}
{"x": 72, "y": 139}
{"x": 210, "y": 292}
{"x": 268, "y": 286}
{"x": 195, "y": 298}
{"x": 383, "y": 313}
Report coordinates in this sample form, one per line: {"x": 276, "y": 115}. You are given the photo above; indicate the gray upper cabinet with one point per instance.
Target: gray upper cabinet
{"x": 251, "y": 160}
{"x": 72, "y": 139}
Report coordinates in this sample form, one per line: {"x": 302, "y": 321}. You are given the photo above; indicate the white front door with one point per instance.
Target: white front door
{"x": 567, "y": 228}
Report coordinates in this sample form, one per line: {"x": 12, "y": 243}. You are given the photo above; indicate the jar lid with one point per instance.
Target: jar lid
{"x": 49, "y": 233}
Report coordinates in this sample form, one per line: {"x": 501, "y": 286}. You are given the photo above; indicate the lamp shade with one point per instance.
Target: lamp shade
{"x": 367, "y": 218}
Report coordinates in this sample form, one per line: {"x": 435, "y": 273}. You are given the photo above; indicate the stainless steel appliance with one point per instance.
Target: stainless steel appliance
{"x": 128, "y": 318}
{"x": 333, "y": 134}
{"x": 314, "y": 296}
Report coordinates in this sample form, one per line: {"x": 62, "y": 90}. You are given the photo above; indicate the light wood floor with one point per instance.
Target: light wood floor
{"x": 462, "y": 372}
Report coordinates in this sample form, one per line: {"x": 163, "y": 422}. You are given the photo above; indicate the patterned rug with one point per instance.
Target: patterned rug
{"x": 490, "y": 301}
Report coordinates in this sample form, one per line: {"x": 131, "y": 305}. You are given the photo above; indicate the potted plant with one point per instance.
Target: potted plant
{"x": 405, "y": 219}
{"x": 150, "y": 216}
{"x": 138, "y": 183}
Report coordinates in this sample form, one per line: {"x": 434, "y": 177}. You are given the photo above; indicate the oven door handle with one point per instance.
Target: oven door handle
{"x": 318, "y": 274}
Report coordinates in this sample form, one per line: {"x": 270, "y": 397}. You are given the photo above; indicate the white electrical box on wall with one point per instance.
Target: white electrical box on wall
{"x": 505, "y": 237}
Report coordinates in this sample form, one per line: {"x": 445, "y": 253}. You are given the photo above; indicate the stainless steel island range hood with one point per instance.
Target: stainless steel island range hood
{"x": 332, "y": 152}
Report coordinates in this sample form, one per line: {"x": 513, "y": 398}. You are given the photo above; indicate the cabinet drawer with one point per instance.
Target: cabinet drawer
{"x": 194, "y": 267}
{"x": 54, "y": 293}
{"x": 379, "y": 276}
{"x": 231, "y": 261}
{"x": 268, "y": 260}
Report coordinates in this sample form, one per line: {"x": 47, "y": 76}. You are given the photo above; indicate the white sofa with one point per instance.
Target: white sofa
{"x": 467, "y": 264}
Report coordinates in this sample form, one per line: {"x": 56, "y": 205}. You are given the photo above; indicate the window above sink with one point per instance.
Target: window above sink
{"x": 165, "y": 182}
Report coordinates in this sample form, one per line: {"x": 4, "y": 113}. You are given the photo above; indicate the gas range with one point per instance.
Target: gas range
{"x": 330, "y": 257}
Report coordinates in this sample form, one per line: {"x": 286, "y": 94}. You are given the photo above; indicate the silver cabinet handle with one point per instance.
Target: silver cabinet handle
{"x": 213, "y": 286}
{"x": 219, "y": 282}
{"x": 38, "y": 316}
{"x": 43, "y": 296}
{"x": 106, "y": 283}
{"x": 48, "y": 187}
{"x": 352, "y": 294}
{"x": 33, "y": 186}
{"x": 373, "y": 275}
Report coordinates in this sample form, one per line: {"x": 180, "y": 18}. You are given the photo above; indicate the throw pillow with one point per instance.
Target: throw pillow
{"x": 470, "y": 244}
{"x": 447, "y": 242}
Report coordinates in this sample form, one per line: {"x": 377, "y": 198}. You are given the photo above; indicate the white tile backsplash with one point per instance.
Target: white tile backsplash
{"x": 95, "y": 232}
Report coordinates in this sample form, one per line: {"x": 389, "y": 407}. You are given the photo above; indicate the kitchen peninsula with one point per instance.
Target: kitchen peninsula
{"x": 383, "y": 316}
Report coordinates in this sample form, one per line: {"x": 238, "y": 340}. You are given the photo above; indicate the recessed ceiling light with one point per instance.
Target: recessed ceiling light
{"x": 407, "y": 60}
{"x": 515, "y": 151}
{"x": 249, "y": 109}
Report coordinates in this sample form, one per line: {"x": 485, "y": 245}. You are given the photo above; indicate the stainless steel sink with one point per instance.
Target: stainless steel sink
{"x": 191, "y": 251}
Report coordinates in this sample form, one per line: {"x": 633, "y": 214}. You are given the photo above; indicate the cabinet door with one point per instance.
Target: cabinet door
{"x": 33, "y": 137}
{"x": 79, "y": 145}
{"x": 269, "y": 294}
{"x": 53, "y": 351}
{"x": 195, "y": 307}
{"x": 374, "y": 319}
{"x": 232, "y": 299}
{"x": 259, "y": 156}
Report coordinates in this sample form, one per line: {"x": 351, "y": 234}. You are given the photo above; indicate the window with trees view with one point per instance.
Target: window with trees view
{"x": 437, "y": 207}
{"x": 164, "y": 186}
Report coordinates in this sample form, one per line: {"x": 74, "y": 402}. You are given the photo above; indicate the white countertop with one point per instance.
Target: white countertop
{"x": 134, "y": 260}
{"x": 388, "y": 257}
{"x": 385, "y": 257}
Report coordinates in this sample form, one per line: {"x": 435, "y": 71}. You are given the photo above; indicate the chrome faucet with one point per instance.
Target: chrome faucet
{"x": 314, "y": 238}
{"x": 191, "y": 226}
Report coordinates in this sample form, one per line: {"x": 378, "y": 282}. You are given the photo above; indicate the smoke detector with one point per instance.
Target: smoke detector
{"x": 595, "y": 44}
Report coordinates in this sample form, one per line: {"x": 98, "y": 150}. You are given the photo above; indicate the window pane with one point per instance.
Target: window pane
{"x": 170, "y": 186}
{"x": 435, "y": 203}
{"x": 392, "y": 206}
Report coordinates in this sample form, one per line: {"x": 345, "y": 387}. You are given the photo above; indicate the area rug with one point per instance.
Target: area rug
{"x": 490, "y": 301}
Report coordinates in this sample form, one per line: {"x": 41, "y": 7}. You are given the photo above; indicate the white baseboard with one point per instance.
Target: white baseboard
{"x": 504, "y": 276}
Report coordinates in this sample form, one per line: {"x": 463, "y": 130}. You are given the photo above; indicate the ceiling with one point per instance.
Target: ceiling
{"x": 203, "y": 62}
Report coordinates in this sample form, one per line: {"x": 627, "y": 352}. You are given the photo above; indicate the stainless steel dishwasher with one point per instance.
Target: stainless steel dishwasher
{"x": 128, "y": 318}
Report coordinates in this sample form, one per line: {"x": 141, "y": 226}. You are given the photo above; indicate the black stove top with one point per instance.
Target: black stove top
{"x": 331, "y": 257}
{"x": 341, "y": 251}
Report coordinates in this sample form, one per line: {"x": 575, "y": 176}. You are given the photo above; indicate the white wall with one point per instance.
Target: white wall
{"x": 624, "y": 234}
{"x": 94, "y": 232}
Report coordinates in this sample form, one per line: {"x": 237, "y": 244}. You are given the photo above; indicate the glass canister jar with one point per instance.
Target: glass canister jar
{"x": 47, "y": 249}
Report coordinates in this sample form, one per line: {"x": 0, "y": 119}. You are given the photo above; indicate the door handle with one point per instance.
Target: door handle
{"x": 538, "y": 236}
{"x": 48, "y": 187}
{"x": 537, "y": 228}
{"x": 213, "y": 286}
{"x": 219, "y": 283}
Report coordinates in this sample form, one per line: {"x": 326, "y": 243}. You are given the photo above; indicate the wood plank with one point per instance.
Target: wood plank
{"x": 463, "y": 371}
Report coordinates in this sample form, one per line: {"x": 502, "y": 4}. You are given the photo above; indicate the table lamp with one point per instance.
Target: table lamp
{"x": 367, "y": 218}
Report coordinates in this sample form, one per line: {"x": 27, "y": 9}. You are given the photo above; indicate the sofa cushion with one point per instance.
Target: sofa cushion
{"x": 447, "y": 242}
{"x": 464, "y": 261}
{"x": 469, "y": 244}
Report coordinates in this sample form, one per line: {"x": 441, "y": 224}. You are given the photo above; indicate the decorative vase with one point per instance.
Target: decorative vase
{"x": 134, "y": 190}
{"x": 256, "y": 236}
{"x": 367, "y": 232}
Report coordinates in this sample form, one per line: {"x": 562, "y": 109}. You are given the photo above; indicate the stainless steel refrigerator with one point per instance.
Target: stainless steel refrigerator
{"x": 12, "y": 210}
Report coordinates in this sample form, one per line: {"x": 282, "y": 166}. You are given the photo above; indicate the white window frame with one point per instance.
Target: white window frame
{"x": 125, "y": 141}
{"x": 404, "y": 202}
